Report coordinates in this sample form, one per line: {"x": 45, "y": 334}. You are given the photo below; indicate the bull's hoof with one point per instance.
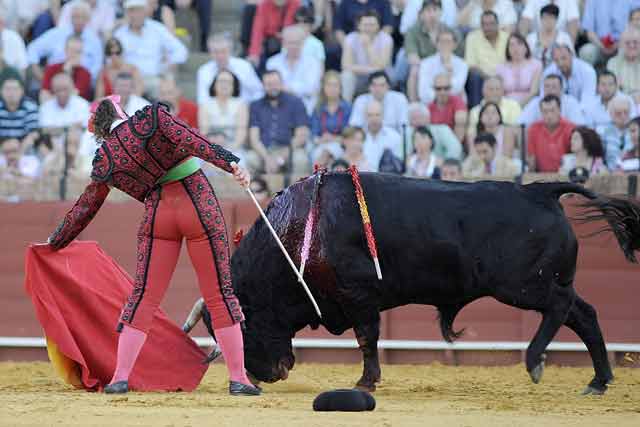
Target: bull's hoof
{"x": 594, "y": 391}
{"x": 536, "y": 372}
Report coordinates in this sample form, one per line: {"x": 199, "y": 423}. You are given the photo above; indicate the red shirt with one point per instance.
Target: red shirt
{"x": 446, "y": 114}
{"x": 80, "y": 76}
{"x": 188, "y": 111}
{"x": 548, "y": 146}
{"x": 269, "y": 21}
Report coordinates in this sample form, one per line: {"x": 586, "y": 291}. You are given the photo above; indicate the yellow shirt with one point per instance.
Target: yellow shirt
{"x": 478, "y": 52}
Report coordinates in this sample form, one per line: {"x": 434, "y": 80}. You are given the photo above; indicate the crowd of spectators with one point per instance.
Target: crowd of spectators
{"x": 439, "y": 89}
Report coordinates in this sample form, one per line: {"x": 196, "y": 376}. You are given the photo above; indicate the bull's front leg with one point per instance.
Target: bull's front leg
{"x": 367, "y": 335}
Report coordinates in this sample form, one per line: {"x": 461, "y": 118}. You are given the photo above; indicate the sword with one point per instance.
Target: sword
{"x": 284, "y": 251}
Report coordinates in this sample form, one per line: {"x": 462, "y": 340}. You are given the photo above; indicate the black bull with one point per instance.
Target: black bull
{"x": 440, "y": 243}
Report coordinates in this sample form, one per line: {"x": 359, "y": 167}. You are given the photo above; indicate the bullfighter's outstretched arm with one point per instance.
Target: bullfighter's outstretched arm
{"x": 191, "y": 141}
{"x": 80, "y": 214}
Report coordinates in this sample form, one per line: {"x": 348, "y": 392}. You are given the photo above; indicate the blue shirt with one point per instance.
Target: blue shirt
{"x": 581, "y": 83}
{"x": 19, "y": 123}
{"x": 348, "y": 11}
{"x": 323, "y": 121}
{"x": 50, "y": 45}
{"x": 615, "y": 143}
{"x": 277, "y": 123}
{"x": 605, "y": 17}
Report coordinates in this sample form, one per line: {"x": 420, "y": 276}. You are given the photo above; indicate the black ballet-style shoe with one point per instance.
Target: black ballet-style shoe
{"x": 239, "y": 389}
{"x": 117, "y": 388}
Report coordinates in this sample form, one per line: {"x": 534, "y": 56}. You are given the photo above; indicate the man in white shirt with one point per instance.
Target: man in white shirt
{"x": 13, "y": 48}
{"x": 570, "y": 108}
{"x": 50, "y": 45}
{"x": 65, "y": 109}
{"x": 568, "y": 20}
{"x": 379, "y": 138}
{"x": 149, "y": 45}
{"x": 124, "y": 86}
{"x": 394, "y": 104}
{"x": 220, "y": 47}
{"x": 103, "y": 16}
{"x": 301, "y": 74}
{"x": 596, "y": 110}
{"x": 578, "y": 76}
{"x": 412, "y": 10}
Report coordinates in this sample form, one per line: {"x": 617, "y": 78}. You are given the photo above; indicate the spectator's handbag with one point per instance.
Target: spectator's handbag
{"x": 389, "y": 163}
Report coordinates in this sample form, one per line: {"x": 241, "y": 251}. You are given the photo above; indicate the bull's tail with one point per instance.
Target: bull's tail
{"x": 621, "y": 214}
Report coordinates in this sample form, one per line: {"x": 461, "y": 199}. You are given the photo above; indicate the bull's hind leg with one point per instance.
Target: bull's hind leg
{"x": 554, "y": 314}
{"x": 583, "y": 321}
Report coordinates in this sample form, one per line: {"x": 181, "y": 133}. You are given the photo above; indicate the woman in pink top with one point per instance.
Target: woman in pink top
{"x": 521, "y": 72}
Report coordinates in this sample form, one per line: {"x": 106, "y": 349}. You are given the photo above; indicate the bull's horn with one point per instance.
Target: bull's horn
{"x": 194, "y": 317}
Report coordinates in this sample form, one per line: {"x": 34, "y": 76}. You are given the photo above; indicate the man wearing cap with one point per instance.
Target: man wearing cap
{"x": 147, "y": 42}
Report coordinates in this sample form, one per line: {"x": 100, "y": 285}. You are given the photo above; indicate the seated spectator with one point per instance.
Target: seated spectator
{"x": 225, "y": 111}
{"x": 442, "y": 62}
{"x": 552, "y": 85}
{"x": 420, "y": 41}
{"x": 114, "y": 65}
{"x": 568, "y": 16}
{"x": 626, "y": 64}
{"x": 448, "y": 13}
{"x": 103, "y": 16}
{"x": 278, "y": 129}
{"x": 347, "y": 12}
{"x": 446, "y": 108}
{"x": 124, "y": 86}
{"x": 353, "y": 142}
{"x": 586, "y": 152}
{"x": 148, "y": 45}
{"x": 324, "y": 155}
{"x": 270, "y": 19}
{"x": 603, "y": 22}
{"x": 65, "y": 109}
{"x": 487, "y": 160}
{"x": 220, "y": 47}
{"x": 380, "y": 139}
{"x": 364, "y": 52}
{"x": 300, "y": 74}
{"x": 470, "y": 16}
{"x": 181, "y": 107}
{"x": 202, "y": 9}
{"x": 596, "y": 110}
{"x": 578, "y": 76}
{"x": 13, "y": 52}
{"x": 7, "y": 71}
{"x": 490, "y": 121}
{"x": 71, "y": 66}
{"x": 521, "y": 72}
{"x": 15, "y": 164}
{"x": 423, "y": 162}
{"x": 485, "y": 49}
{"x": 332, "y": 113}
{"x": 451, "y": 170}
{"x": 312, "y": 46}
{"x": 445, "y": 142}
{"x": 160, "y": 12}
{"x": 547, "y": 35}
{"x": 634, "y": 16}
{"x": 394, "y": 103}
{"x": 20, "y": 15}
{"x": 615, "y": 135}
{"x": 548, "y": 139}
{"x": 18, "y": 114}
{"x": 630, "y": 160}
{"x": 493, "y": 91}
{"x": 260, "y": 189}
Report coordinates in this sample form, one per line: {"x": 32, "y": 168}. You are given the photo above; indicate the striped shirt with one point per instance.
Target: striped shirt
{"x": 19, "y": 123}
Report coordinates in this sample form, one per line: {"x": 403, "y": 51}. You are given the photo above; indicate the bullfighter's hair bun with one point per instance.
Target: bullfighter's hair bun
{"x": 347, "y": 400}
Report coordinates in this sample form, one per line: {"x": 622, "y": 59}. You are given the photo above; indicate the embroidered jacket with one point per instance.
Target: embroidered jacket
{"x": 132, "y": 159}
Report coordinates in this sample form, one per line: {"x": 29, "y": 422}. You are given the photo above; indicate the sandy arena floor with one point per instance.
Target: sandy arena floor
{"x": 432, "y": 395}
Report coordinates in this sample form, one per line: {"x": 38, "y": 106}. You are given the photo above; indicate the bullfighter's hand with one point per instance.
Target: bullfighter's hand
{"x": 241, "y": 175}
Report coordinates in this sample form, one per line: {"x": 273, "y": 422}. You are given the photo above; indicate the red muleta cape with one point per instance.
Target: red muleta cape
{"x": 78, "y": 293}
